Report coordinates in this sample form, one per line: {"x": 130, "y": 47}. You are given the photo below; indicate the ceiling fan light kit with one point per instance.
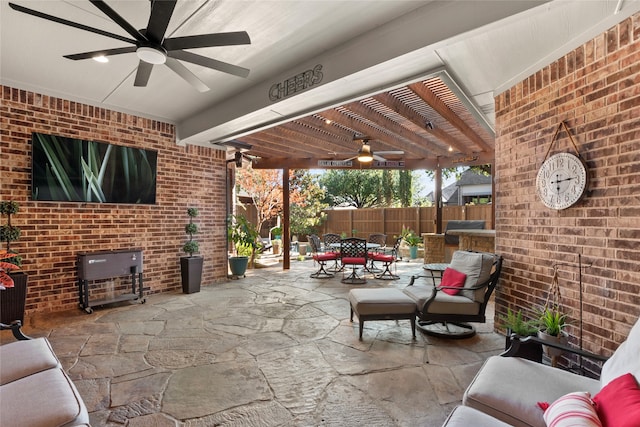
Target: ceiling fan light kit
{"x": 151, "y": 55}
{"x": 365, "y": 155}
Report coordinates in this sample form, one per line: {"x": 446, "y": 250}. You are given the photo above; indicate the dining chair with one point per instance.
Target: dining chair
{"x": 332, "y": 244}
{"x": 320, "y": 257}
{"x": 377, "y": 239}
{"x": 353, "y": 253}
{"x": 388, "y": 259}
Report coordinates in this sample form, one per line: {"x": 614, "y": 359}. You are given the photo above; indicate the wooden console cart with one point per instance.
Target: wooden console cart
{"x": 105, "y": 265}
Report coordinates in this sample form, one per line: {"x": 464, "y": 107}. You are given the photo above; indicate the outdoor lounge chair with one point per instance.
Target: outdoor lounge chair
{"x": 460, "y": 296}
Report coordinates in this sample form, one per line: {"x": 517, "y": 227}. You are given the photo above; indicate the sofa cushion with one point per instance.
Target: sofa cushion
{"x": 509, "y": 388}
{"x": 477, "y": 266}
{"x": 31, "y": 356}
{"x": 464, "y": 416}
{"x": 453, "y": 278}
{"x": 46, "y": 398}
{"x": 571, "y": 410}
{"x": 618, "y": 403}
{"x": 625, "y": 359}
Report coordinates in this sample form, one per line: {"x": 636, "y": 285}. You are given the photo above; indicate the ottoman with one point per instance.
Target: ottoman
{"x": 382, "y": 304}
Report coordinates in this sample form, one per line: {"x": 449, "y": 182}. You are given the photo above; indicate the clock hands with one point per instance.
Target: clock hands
{"x": 558, "y": 181}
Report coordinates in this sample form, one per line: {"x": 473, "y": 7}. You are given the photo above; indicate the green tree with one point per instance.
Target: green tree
{"x": 405, "y": 190}
{"x": 369, "y": 188}
{"x": 306, "y": 209}
{"x": 357, "y": 188}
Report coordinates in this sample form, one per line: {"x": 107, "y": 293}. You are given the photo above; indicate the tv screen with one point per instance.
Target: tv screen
{"x": 75, "y": 170}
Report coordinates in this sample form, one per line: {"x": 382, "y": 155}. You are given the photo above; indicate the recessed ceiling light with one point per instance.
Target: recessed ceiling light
{"x": 101, "y": 58}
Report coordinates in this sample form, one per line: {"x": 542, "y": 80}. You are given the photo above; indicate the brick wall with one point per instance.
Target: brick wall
{"x": 53, "y": 233}
{"x": 596, "y": 90}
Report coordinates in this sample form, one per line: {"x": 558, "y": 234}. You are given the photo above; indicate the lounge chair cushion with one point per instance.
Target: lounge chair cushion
{"x": 443, "y": 303}
{"x": 477, "y": 266}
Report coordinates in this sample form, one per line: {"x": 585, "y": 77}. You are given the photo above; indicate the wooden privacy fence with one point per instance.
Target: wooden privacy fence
{"x": 390, "y": 221}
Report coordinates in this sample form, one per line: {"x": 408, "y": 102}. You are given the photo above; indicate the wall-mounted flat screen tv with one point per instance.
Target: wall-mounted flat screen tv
{"x": 76, "y": 170}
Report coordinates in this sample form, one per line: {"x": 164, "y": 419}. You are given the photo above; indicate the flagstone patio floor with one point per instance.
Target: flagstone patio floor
{"x": 273, "y": 349}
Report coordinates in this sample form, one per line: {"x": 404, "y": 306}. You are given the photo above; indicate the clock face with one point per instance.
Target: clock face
{"x": 561, "y": 181}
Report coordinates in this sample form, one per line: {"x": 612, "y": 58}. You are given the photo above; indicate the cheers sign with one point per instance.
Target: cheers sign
{"x": 296, "y": 84}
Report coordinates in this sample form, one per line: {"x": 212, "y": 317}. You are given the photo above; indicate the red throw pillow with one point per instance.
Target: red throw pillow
{"x": 452, "y": 277}
{"x": 618, "y": 403}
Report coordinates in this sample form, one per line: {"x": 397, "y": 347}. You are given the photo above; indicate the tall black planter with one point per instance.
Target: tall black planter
{"x": 191, "y": 270}
{"x": 12, "y": 300}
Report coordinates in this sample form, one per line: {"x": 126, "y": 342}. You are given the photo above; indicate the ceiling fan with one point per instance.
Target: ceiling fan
{"x": 366, "y": 155}
{"x": 152, "y": 47}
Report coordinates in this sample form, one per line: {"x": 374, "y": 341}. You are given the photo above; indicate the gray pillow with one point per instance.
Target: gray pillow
{"x": 477, "y": 266}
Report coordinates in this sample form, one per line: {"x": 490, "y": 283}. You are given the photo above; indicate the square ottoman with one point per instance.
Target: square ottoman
{"x": 382, "y": 304}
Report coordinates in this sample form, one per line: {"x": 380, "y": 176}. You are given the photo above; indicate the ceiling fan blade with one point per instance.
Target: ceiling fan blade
{"x": 207, "y": 40}
{"x": 69, "y": 23}
{"x": 350, "y": 158}
{"x": 118, "y": 20}
{"x": 184, "y": 72}
{"x": 143, "y": 74}
{"x": 108, "y": 52}
{"x": 397, "y": 152}
{"x": 209, "y": 63}
{"x": 161, "y": 12}
{"x": 378, "y": 158}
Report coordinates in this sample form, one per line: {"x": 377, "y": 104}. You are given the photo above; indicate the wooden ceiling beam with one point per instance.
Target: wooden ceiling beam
{"x": 441, "y": 108}
{"x": 393, "y": 127}
{"x": 300, "y": 135}
{"x": 410, "y": 114}
{"x": 363, "y": 128}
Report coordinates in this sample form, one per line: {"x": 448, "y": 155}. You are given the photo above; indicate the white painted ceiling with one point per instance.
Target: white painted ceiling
{"x": 364, "y": 47}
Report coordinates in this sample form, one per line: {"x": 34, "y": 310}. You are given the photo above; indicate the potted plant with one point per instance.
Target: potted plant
{"x": 191, "y": 266}
{"x": 244, "y": 237}
{"x": 13, "y": 298}
{"x": 276, "y": 233}
{"x": 276, "y": 244}
{"x": 515, "y": 323}
{"x": 413, "y": 240}
{"x": 551, "y": 329}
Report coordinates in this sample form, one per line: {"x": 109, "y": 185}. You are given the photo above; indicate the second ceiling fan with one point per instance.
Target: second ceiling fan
{"x": 152, "y": 47}
{"x": 366, "y": 155}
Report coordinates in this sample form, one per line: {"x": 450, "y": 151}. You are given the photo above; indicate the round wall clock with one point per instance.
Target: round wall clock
{"x": 561, "y": 181}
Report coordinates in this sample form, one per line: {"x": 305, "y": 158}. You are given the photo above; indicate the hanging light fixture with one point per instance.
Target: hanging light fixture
{"x": 365, "y": 155}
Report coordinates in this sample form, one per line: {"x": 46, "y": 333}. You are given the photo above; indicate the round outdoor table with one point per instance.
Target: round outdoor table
{"x": 369, "y": 245}
{"x": 436, "y": 267}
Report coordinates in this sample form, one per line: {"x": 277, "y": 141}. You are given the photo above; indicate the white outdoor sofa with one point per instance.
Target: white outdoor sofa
{"x": 506, "y": 391}
{"x": 34, "y": 389}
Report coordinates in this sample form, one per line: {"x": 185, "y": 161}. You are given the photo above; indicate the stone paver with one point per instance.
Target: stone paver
{"x": 273, "y": 349}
